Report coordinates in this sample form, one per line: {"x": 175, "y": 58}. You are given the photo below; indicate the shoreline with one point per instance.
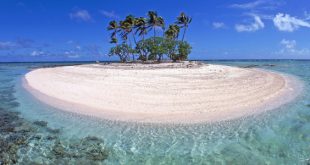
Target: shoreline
{"x": 165, "y": 111}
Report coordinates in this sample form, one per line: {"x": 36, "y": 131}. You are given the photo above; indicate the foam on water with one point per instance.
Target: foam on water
{"x": 281, "y": 136}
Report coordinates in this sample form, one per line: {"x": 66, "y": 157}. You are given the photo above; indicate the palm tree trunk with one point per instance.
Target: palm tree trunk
{"x": 128, "y": 54}
{"x": 133, "y": 56}
{"x": 116, "y": 37}
{"x": 154, "y": 40}
{"x": 146, "y": 56}
{"x": 134, "y": 39}
{"x": 184, "y": 33}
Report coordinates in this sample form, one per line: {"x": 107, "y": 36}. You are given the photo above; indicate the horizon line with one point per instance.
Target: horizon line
{"x": 92, "y": 61}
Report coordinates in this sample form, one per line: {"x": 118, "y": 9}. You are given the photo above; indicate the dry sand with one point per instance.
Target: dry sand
{"x": 162, "y": 93}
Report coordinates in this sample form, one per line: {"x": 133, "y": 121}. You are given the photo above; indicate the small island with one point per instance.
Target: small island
{"x": 154, "y": 82}
{"x": 185, "y": 92}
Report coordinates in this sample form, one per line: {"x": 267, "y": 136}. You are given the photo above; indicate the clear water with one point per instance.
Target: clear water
{"x": 281, "y": 136}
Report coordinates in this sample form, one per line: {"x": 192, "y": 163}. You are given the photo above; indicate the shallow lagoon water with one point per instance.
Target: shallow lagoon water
{"x": 281, "y": 136}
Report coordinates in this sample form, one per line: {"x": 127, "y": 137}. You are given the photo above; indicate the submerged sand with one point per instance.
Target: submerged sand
{"x": 162, "y": 93}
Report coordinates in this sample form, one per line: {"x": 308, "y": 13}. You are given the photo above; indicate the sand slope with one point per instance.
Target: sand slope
{"x": 167, "y": 94}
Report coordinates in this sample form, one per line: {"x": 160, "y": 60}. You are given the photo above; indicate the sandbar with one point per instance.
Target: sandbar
{"x": 162, "y": 93}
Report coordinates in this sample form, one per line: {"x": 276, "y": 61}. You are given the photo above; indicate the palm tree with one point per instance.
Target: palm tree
{"x": 113, "y": 26}
{"x": 172, "y": 32}
{"x": 125, "y": 29}
{"x": 141, "y": 30}
{"x": 155, "y": 21}
{"x": 132, "y": 27}
{"x": 131, "y": 21}
{"x": 141, "y": 27}
{"x": 128, "y": 26}
{"x": 184, "y": 21}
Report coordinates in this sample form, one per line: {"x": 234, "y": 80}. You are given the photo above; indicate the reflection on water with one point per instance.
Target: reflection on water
{"x": 44, "y": 135}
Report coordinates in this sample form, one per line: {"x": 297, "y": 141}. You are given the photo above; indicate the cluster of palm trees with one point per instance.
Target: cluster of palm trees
{"x": 129, "y": 36}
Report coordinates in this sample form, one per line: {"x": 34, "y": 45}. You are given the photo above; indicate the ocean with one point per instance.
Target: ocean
{"x": 32, "y": 132}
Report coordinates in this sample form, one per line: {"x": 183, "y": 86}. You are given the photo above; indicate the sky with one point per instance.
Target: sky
{"x": 51, "y": 30}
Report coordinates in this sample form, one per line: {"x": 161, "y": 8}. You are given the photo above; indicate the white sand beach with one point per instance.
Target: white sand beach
{"x": 162, "y": 93}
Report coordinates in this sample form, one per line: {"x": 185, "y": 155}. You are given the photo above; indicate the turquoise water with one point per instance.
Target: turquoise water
{"x": 281, "y": 136}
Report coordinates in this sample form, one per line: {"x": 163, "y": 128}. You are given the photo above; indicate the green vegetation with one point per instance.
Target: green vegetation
{"x": 131, "y": 44}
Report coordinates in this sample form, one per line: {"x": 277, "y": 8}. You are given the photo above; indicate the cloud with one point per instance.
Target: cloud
{"x": 24, "y": 43}
{"x": 289, "y": 47}
{"x": 37, "y": 53}
{"x": 70, "y": 42}
{"x": 263, "y": 16}
{"x": 7, "y": 45}
{"x": 285, "y": 22}
{"x": 81, "y": 15}
{"x": 71, "y": 54}
{"x": 109, "y": 14}
{"x": 256, "y": 25}
{"x": 249, "y": 5}
{"x": 258, "y": 4}
{"x": 288, "y": 44}
{"x": 218, "y": 25}
{"x": 76, "y": 50}
{"x": 20, "y": 43}
{"x": 307, "y": 15}
{"x": 74, "y": 56}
